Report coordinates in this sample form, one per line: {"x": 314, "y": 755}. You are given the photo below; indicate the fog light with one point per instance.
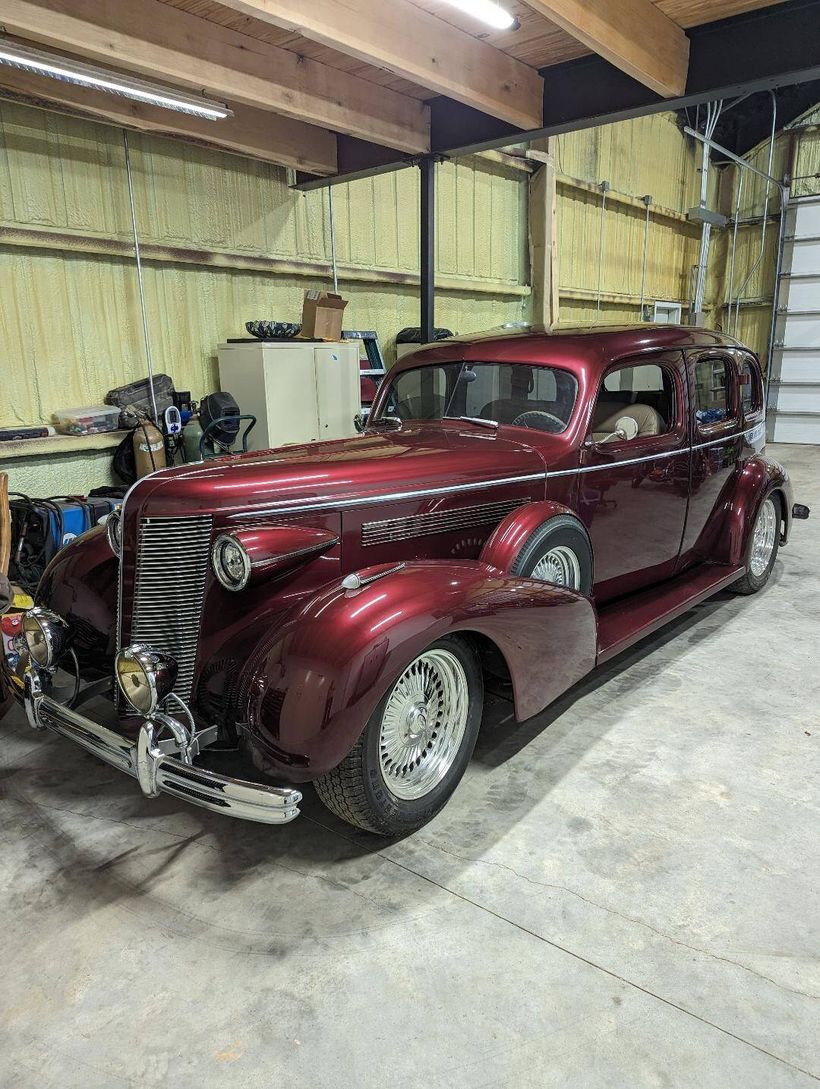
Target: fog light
{"x": 145, "y": 676}
{"x": 46, "y": 636}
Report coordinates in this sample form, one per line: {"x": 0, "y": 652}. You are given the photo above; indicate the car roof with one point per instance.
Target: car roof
{"x": 594, "y": 346}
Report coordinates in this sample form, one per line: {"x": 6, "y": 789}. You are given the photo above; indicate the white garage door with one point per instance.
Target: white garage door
{"x": 794, "y": 390}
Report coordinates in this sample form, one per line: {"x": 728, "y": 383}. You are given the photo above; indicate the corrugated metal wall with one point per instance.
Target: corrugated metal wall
{"x": 228, "y": 241}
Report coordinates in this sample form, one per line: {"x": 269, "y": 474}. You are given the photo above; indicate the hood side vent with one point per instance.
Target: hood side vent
{"x": 438, "y": 521}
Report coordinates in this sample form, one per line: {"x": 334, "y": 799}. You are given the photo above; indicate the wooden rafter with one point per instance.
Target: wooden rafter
{"x": 634, "y": 35}
{"x": 159, "y": 41}
{"x": 415, "y": 45}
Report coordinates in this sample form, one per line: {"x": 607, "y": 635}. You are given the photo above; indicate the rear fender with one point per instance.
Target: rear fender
{"x": 509, "y": 537}
{"x": 758, "y": 478}
{"x": 313, "y": 684}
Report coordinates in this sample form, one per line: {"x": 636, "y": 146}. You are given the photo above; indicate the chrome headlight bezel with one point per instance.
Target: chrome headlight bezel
{"x": 158, "y": 670}
{"x": 53, "y": 633}
{"x": 223, "y": 542}
{"x": 113, "y": 531}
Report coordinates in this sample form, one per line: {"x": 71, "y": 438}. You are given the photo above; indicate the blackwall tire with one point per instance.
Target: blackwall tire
{"x": 763, "y": 547}
{"x": 389, "y": 782}
{"x": 564, "y": 539}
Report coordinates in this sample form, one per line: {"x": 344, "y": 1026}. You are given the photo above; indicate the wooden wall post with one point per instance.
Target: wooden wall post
{"x": 543, "y": 235}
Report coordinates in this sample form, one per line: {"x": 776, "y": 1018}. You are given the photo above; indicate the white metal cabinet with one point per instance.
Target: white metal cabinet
{"x": 299, "y": 392}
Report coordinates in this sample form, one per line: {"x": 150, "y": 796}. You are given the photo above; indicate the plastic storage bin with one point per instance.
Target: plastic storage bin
{"x": 87, "y": 421}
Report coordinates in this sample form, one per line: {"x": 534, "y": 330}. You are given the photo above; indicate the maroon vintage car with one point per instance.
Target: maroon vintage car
{"x": 526, "y": 505}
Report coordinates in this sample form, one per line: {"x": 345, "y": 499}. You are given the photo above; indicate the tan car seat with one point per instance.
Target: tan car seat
{"x": 607, "y": 414}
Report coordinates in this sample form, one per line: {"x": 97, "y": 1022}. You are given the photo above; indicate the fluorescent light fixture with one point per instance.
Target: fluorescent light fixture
{"x": 488, "y": 12}
{"x": 100, "y": 79}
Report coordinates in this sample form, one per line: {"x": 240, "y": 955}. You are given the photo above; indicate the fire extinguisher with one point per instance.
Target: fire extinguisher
{"x": 149, "y": 448}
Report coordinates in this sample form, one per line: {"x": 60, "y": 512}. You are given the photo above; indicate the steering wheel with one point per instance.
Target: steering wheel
{"x": 539, "y": 421}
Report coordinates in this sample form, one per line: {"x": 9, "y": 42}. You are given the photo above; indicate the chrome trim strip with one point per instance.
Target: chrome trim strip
{"x": 286, "y": 507}
{"x": 156, "y": 771}
{"x": 339, "y": 502}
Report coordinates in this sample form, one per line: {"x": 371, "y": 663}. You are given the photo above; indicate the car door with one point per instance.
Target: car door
{"x": 717, "y": 446}
{"x": 633, "y": 488}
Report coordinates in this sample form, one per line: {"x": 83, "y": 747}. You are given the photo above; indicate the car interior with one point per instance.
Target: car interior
{"x": 634, "y": 402}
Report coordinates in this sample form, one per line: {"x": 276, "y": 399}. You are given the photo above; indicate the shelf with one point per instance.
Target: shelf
{"x": 60, "y": 444}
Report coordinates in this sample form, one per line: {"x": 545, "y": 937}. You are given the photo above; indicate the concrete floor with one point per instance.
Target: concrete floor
{"x": 622, "y": 893}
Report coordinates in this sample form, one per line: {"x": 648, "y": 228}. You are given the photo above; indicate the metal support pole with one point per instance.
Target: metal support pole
{"x": 138, "y": 256}
{"x": 784, "y": 202}
{"x": 427, "y": 169}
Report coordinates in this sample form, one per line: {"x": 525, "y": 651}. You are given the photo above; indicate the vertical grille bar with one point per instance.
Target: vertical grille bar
{"x": 173, "y": 556}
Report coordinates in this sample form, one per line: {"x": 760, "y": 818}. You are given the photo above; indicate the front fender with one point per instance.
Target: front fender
{"x": 312, "y": 686}
{"x": 758, "y": 478}
{"x": 505, "y": 542}
{"x": 80, "y": 585}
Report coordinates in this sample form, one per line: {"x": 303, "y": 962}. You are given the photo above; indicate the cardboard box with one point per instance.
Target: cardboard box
{"x": 322, "y": 314}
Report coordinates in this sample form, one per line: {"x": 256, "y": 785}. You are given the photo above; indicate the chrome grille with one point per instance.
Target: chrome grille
{"x": 437, "y": 521}
{"x": 173, "y": 556}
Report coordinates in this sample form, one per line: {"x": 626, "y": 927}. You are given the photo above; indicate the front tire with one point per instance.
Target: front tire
{"x": 415, "y": 747}
{"x": 762, "y": 548}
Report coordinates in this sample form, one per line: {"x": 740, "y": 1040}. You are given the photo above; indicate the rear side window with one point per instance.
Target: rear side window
{"x": 712, "y": 391}
{"x": 751, "y": 387}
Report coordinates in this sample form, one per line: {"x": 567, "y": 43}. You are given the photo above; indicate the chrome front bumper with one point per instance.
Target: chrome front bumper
{"x": 157, "y": 771}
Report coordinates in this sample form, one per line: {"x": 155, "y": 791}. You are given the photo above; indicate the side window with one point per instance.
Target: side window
{"x": 634, "y": 402}
{"x": 713, "y": 391}
{"x": 751, "y": 387}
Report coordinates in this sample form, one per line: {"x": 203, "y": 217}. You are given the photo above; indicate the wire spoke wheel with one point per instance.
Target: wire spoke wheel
{"x": 763, "y": 538}
{"x": 423, "y": 724}
{"x": 560, "y": 565}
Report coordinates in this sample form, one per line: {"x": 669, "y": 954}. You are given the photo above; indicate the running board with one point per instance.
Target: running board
{"x": 625, "y": 622}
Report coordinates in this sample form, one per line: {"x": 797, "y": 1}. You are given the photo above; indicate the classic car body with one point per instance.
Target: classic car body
{"x": 397, "y": 565}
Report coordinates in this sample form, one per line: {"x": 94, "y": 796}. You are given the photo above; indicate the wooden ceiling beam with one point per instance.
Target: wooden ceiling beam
{"x": 634, "y": 35}
{"x": 415, "y": 45}
{"x": 256, "y": 133}
{"x": 158, "y": 41}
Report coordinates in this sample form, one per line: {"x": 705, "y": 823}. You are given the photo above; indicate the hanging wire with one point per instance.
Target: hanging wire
{"x": 332, "y": 240}
{"x": 756, "y": 265}
{"x": 738, "y": 199}
{"x": 138, "y": 256}
{"x": 647, "y": 201}
{"x": 601, "y": 244}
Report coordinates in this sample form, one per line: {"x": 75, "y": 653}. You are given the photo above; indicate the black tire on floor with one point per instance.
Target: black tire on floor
{"x": 751, "y": 583}
{"x": 358, "y": 791}
{"x": 565, "y": 531}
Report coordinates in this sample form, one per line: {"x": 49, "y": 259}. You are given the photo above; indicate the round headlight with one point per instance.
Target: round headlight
{"x": 232, "y": 564}
{"x": 46, "y": 636}
{"x": 113, "y": 530}
{"x": 145, "y": 676}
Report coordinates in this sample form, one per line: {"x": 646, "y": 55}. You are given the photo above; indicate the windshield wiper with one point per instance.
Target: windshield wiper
{"x": 474, "y": 420}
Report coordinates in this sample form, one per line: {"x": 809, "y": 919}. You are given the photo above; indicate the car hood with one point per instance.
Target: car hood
{"x": 333, "y": 474}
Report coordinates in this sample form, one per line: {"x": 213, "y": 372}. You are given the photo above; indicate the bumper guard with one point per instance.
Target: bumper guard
{"x": 156, "y": 770}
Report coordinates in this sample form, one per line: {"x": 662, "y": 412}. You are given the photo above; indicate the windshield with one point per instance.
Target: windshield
{"x": 507, "y": 393}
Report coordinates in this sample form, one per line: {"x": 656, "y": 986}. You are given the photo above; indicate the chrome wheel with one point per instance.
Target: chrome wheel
{"x": 560, "y": 565}
{"x": 423, "y": 724}
{"x": 763, "y": 538}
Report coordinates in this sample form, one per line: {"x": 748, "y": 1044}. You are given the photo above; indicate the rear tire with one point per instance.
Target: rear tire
{"x": 763, "y": 546}
{"x": 415, "y": 747}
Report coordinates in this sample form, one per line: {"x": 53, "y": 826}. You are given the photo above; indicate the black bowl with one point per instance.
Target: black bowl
{"x": 273, "y": 330}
